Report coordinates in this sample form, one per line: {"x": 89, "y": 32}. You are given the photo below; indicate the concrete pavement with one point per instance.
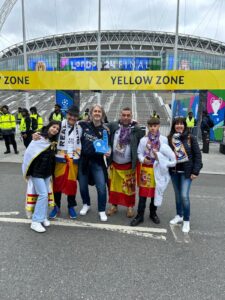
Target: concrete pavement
{"x": 80, "y": 262}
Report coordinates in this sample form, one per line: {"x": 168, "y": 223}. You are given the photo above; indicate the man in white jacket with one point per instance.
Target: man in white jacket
{"x": 148, "y": 148}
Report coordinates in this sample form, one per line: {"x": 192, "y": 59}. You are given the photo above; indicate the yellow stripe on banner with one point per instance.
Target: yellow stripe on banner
{"x": 113, "y": 80}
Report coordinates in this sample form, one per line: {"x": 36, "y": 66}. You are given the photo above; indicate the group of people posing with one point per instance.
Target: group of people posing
{"x": 115, "y": 157}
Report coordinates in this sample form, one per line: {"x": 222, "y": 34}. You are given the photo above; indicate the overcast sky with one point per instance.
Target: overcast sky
{"x": 205, "y": 18}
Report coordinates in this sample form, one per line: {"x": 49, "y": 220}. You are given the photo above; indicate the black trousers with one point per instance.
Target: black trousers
{"x": 142, "y": 205}
{"x": 27, "y": 140}
{"x": 10, "y": 139}
{"x": 70, "y": 199}
{"x": 205, "y": 141}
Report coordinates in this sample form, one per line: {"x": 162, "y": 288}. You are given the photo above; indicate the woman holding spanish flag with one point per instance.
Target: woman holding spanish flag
{"x": 37, "y": 168}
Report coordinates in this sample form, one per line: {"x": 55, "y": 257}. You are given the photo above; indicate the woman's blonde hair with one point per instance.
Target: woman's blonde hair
{"x": 102, "y": 109}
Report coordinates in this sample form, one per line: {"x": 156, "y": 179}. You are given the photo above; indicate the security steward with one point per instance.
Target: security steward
{"x": 26, "y": 127}
{"x": 8, "y": 129}
{"x": 57, "y": 114}
{"x": 36, "y": 119}
{"x": 190, "y": 120}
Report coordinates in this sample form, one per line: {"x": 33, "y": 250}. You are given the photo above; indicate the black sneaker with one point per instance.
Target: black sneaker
{"x": 155, "y": 219}
{"x": 137, "y": 220}
{"x": 7, "y": 152}
{"x": 16, "y": 152}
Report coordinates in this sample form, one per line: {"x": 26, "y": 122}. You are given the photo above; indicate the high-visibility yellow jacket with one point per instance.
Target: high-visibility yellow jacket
{"x": 25, "y": 125}
{"x": 190, "y": 123}
{"x": 56, "y": 117}
{"x": 19, "y": 117}
{"x": 7, "y": 124}
{"x": 38, "y": 119}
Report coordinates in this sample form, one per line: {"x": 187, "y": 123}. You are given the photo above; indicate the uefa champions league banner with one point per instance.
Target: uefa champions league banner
{"x": 216, "y": 111}
{"x": 185, "y": 102}
{"x": 66, "y": 99}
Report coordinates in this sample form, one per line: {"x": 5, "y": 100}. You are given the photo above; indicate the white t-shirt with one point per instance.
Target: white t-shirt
{"x": 121, "y": 154}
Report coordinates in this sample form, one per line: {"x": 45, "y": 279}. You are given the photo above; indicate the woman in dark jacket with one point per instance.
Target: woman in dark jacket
{"x": 38, "y": 167}
{"x": 92, "y": 162}
{"x": 189, "y": 164}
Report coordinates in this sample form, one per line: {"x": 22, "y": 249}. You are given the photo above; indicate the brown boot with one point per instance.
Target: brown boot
{"x": 112, "y": 210}
{"x": 130, "y": 212}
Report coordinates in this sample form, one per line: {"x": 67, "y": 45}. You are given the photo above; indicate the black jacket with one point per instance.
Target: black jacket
{"x": 194, "y": 164}
{"x": 136, "y": 134}
{"x": 206, "y": 123}
{"x": 43, "y": 165}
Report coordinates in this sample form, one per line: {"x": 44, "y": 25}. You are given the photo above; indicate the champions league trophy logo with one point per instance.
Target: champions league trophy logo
{"x": 101, "y": 146}
{"x": 215, "y": 104}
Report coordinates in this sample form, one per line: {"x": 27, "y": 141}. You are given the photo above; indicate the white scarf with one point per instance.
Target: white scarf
{"x": 63, "y": 143}
{"x": 34, "y": 149}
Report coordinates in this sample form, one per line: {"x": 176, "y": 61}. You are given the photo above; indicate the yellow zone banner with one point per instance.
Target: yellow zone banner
{"x": 113, "y": 80}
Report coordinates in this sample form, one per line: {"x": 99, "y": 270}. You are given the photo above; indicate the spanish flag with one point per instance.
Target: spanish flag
{"x": 31, "y": 197}
{"x": 65, "y": 177}
{"x": 145, "y": 180}
{"x": 122, "y": 183}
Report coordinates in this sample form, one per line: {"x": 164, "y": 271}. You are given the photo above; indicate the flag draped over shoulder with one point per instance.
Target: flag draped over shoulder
{"x": 34, "y": 149}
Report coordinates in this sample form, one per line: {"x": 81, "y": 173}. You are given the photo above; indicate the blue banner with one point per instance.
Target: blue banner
{"x": 65, "y": 99}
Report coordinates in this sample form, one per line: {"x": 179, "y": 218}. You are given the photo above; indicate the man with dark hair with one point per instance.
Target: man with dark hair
{"x": 148, "y": 146}
{"x": 191, "y": 122}
{"x": 206, "y": 124}
{"x": 8, "y": 129}
{"x": 66, "y": 169}
{"x": 36, "y": 119}
{"x": 155, "y": 115}
{"x": 57, "y": 114}
{"x": 125, "y": 135}
{"x": 19, "y": 115}
{"x": 26, "y": 127}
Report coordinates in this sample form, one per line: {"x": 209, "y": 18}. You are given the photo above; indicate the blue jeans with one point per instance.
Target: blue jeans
{"x": 181, "y": 186}
{"x": 41, "y": 186}
{"x": 99, "y": 179}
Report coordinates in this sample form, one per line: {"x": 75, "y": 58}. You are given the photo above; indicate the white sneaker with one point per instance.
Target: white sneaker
{"x": 84, "y": 210}
{"x": 186, "y": 227}
{"x": 103, "y": 216}
{"x": 176, "y": 220}
{"x": 46, "y": 223}
{"x": 36, "y": 226}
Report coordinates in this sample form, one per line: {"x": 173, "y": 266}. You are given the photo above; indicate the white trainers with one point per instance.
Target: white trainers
{"x": 103, "y": 216}
{"x": 36, "y": 226}
{"x": 186, "y": 227}
{"x": 84, "y": 210}
{"x": 46, "y": 223}
{"x": 176, "y": 220}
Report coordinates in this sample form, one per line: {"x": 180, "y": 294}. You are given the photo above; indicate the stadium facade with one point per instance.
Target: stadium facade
{"x": 120, "y": 50}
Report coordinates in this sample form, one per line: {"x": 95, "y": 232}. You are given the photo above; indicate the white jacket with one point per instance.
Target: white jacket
{"x": 166, "y": 159}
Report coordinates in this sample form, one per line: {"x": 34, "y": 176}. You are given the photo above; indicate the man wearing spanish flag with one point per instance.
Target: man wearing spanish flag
{"x": 149, "y": 146}
{"x": 66, "y": 168}
{"x": 125, "y": 135}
